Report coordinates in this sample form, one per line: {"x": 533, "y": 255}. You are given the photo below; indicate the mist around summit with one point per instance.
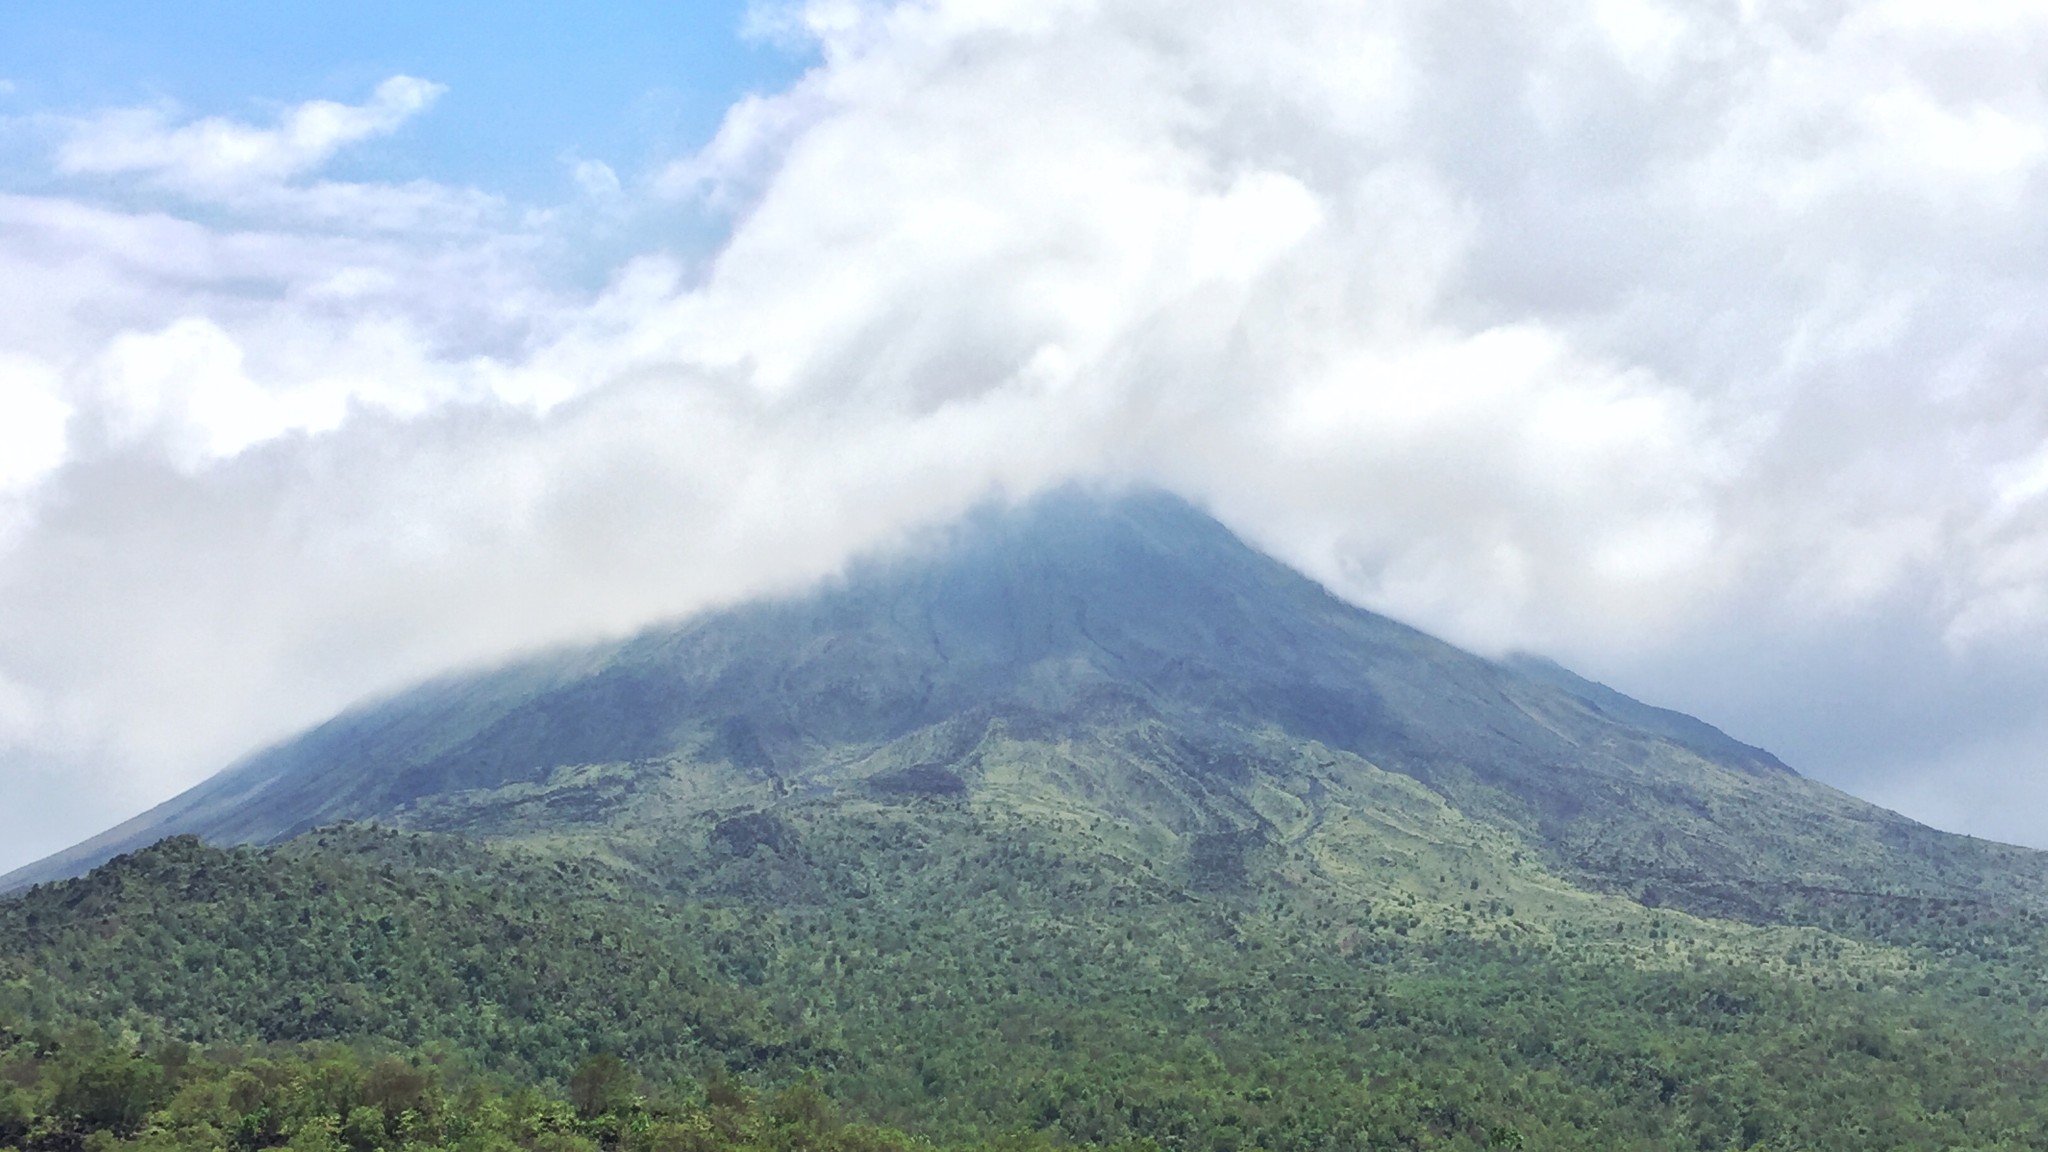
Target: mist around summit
{"x": 1112, "y": 653}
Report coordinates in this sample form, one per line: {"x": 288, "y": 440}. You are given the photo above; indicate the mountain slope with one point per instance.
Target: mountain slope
{"x": 358, "y": 932}
{"x": 965, "y": 972}
{"x": 1107, "y": 655}
{"x": 1086, "y": 820}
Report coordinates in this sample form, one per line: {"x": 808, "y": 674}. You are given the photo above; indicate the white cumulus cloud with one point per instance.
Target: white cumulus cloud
{"x": 217, "y": 157}
{"x": 265, "y": 168}
{"x": 33, "y": 423}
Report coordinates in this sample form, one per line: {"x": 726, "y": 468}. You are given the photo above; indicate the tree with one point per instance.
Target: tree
{"x": 600, "y": 1085}
{"x": 110, "y": 1091}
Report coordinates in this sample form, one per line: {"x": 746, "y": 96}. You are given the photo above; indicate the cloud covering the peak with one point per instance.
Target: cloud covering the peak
{"x": 1699, "y": 345}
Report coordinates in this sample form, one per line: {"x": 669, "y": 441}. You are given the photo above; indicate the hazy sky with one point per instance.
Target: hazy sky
{"x": 1701, "y": 345}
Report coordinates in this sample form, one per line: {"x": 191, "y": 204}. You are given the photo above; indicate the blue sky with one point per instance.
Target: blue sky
{"x": 531, "y": 86}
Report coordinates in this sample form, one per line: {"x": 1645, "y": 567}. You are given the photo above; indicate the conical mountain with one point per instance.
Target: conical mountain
{"x": 1088, "y": 656}
{"x": 1082, "y": 819}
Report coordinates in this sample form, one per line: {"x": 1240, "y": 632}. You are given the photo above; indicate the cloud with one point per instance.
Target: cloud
{"x": 217, "y": 157}
{"x": 34, "y": 441}
{"x": 226, "y": 162}
{"x": 33, "y": 420}
{"x": 597, "y": 180}
{"x": 1702, "y": 347}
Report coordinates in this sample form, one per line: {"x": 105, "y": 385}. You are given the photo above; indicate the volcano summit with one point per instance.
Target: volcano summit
{"x": 1121, "y": 656}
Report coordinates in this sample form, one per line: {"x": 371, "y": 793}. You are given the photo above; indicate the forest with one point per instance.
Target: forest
{"x": 365, "y": 988}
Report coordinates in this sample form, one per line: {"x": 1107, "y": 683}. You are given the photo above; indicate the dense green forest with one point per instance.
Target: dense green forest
{"x": 1023, "y": 987}
{"x": 80, "y": 1091}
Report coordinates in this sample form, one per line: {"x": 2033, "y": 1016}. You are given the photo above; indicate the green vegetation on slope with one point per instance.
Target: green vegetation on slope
{"x": 354, "y": 933}
{"x": 963, "y": 973}
{"x": 79, "y": 1091}
{"x": 1089, "y": 823}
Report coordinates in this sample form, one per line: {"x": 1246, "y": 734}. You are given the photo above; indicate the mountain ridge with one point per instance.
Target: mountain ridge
{"x": 1079, "y": 620}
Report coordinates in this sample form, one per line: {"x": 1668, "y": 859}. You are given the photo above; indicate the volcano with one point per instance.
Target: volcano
{"x": 1089, "y": 655}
